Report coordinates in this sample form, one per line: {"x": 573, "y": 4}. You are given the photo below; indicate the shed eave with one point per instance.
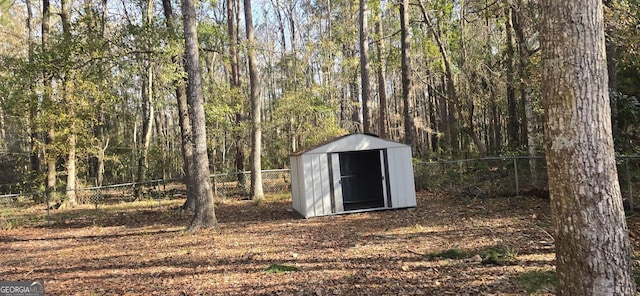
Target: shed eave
{"x": 353, "y": 142}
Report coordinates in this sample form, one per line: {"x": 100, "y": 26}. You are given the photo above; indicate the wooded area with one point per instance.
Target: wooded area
{"x": 90, "y": 91}
{"x": 101, "y": 92}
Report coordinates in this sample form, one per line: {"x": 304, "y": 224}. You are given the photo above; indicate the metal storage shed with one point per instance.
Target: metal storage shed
{"x": 353, "y": 173}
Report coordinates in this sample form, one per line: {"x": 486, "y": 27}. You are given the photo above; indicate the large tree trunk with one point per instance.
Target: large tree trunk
{"x": 409, "y": 128}
{"x": 592, "y": 245}
{"x": 256, "y": 116}
{"x": 205, "y": 216}
{"x": 364, "y": 67}
{"x": 186, "y": 139}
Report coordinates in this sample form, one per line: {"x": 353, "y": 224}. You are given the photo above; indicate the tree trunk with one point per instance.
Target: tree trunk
{"x": 512, "y": 107}
{"x": 205, "y": 216}
{"x": 34, "y": 135}
{"x": 101, "y": 154}
{"x": 453, "y": 113}
{"x": 186, "y": 140}
{"x": 382, "y": 85}
{"x": 234, "y": 81}
{"x": 593, "y": 255}
{"x": 364, "y": 67}
{"x": 354, "y": 91}
{"x": 409, "y": 126}
{"x": 147, "y": 109}
{"x": 70, "y": 192}
{"x": 50, "y": 152}
{"x": 525, "y": 94}
{"x": 71, "y": 200}
{"x": 256, "y": 128}
{"x": 147, "y": 129}
{"x": 612, "y": 58}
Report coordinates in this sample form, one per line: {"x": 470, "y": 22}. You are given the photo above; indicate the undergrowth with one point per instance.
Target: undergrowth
{"x": 449, "y": 254}
{"x": 537, "y": 280}
{"x": 498, "y": 255}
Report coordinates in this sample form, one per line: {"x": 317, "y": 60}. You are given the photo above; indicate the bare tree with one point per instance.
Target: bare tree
{"x": 592, "y": 244}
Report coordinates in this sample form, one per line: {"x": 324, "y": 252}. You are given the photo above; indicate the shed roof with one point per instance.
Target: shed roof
{"x": 351, "y": 142}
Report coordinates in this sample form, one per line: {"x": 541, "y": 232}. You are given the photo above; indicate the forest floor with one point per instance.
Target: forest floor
{"x": 445, "y": 246}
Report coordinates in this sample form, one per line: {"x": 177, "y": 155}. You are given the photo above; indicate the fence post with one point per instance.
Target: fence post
{"x": 515, "y": 167}
{"x": 159, "y": 194}
{"x": 214, "y": 184}
{"x": 46, "y": 195}
{"x": 460, "y": 170}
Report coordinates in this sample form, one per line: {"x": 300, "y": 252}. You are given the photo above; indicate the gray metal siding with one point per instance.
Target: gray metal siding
{"x": 316, "y": 176}
{"x": 297, "y": 185}
{"x": 403, "y": 191}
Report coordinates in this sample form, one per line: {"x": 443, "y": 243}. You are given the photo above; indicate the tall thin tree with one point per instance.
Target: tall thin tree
{"x": 256, "y": 110}
{"x": 382, "y": 86}
{"x": 234, "y": 81}
{"x": 147, "y": 105}
{"x": 364, "y": 66}
{"x": 47, "y": 102}
{"x": 71, "y": 200}
{"x": 409, "y": 125}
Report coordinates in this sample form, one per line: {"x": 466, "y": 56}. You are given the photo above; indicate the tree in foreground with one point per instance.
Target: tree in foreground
{"x": 593, "y": 255}
{"x": 205, "y": 216}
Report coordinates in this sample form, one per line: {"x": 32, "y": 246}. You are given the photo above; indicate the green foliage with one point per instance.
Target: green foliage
{"x": 498, "y": 255}
{"x": 277, "y": 268}
{"x": 301, "y": 117}
{"x": 454, "y": 253}
{"x": 626, "y": 136}
{"x": 538, "y": 280}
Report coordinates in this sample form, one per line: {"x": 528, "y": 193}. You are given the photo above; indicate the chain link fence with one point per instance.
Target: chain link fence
{"x": 224, "y": 185}
{"x": 485, "y": 177}
{"x": 510, "y": 176}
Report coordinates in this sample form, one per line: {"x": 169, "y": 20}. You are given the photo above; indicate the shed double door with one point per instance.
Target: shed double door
{"x": 359, "y": 180}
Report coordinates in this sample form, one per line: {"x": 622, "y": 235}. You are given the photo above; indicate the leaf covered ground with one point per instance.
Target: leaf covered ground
{"x": 264, "y": 248}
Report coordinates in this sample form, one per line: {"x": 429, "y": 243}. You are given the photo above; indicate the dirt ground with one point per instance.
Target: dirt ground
{"x": 141, "y": 249}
